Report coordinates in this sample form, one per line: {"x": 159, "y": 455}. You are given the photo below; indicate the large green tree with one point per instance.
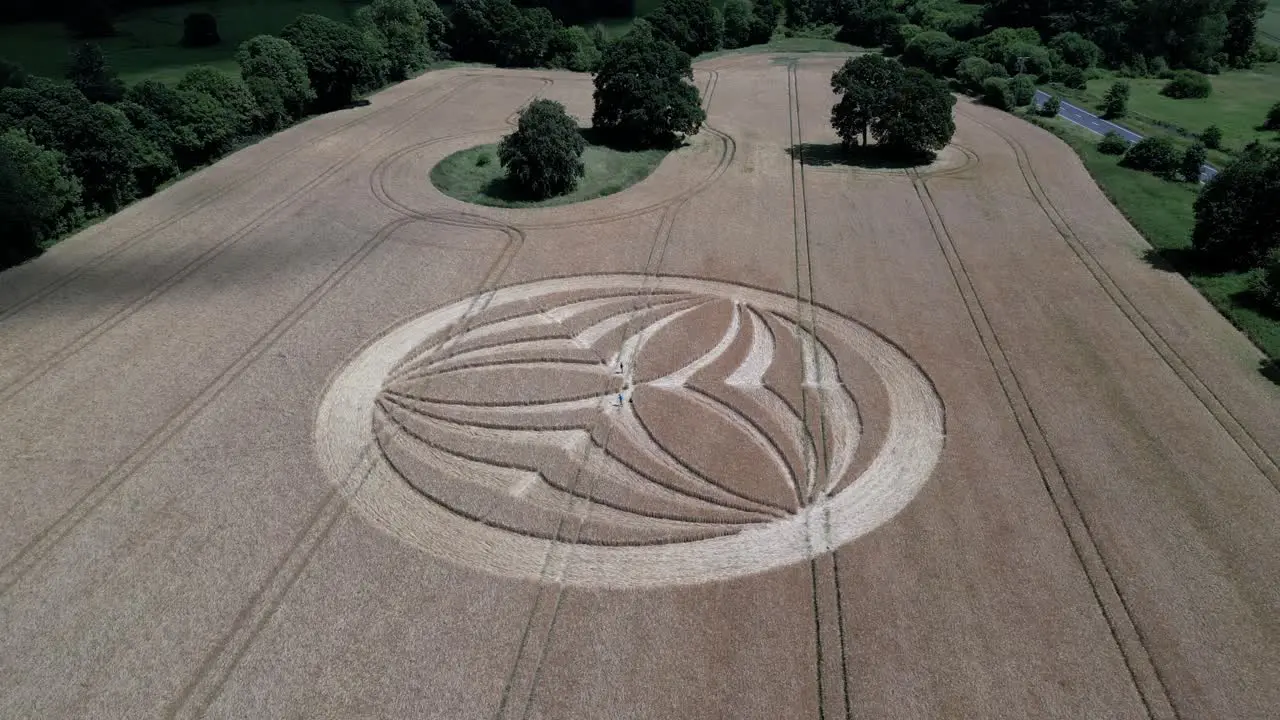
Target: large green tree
{"x": 39, "y": 196}
{"x": 543, "y": 157}
{"x": 918, "y": 120}
{"x": 401, "y": 29}
{"x": 643, "y": 93}
{"x": 689, "y": 24}
{"x": 340, "y": 60}
{"x": 228, "y": 90}
{"x": 1237, "y": 216}
{"x": 276, "y": 75}
{"x": 737, "y": 23}
{"x": 865, "y": 84}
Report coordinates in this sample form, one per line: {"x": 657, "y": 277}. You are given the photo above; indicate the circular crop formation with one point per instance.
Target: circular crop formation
{"x": 476, "y": 176}
{"x": 602, "y": 431}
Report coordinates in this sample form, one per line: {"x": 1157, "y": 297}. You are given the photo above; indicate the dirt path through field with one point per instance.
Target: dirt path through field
{"x": 762, "y": 436}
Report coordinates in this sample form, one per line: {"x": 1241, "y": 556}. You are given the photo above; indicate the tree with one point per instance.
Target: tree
{"x": 91, "y": 74}
{"x": 39, "y": 197}
{"x": 1115, "y": 103}
{"x": 1022, "y": 90}
{"x": 1069, "y": 76}
{"x": 195, "y": 126}
{"x": 972, "y": 71}
{"x": 436, "y": 27}
{"x": 340, "y": 60}
{"x": 1192, "y": 161}
{"x": 1112, "y": 144}
{"x": 870, "y": 23}
{"x": 1051, "y": 107}
{"x": 1001, "y": 43}
{"x": 764, "y": 21}
{"x": 526, "y": 41}
{"x": 933, "y": 51}
{"x": 543, "y": 157}
{"x": 1187, "y": 33}
{"x": 919, "y": 118}
{"x": 865, "y": 84}
{"x": 1076, "y": 50}
{"x": 688, "y": 24}
{"x": 996, "y": 93}
{"x": 153, "y": 154}
{"x": 1187, "y": 84}
{"x": 642, "y": 91}
{"x": 1242, "y": 30}
{"x": 1212, "y": 137}
{"x": 737, "y": 23}
{"x": 228, "y": 91}
{"x": 474, "y": 36}
{"x": 200, "y": 30}
{"x": 276, "y": 75}
{"x": 1237, "y": 216}
{"x": 1156, "y": 155}
{"x": 573, "y": 49}
{"x": 400, "y": 28}
{"x": 1273, "y": 118}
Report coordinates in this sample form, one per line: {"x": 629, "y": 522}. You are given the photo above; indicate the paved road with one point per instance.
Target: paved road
{"x": 1089, "y": 121}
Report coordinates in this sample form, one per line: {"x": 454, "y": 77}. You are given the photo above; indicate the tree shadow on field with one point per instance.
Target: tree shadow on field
{"x": 871, "y": 157}
{"x": 615, "y": 141}
{"x": 1181, "y": 260}
{"x": 1270, "y": 370}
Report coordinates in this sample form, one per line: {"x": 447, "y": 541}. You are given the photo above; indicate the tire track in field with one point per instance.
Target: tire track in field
{"x": 1145, "y": 677}
{"x": 201, "y": 203}
{"x": 1266, "y": 464}
{"x": 70, "y": 349}
{"x": 824, "y": 603}
{"x": 535, "y": 641}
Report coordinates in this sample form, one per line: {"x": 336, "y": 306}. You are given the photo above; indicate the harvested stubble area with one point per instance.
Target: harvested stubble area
{"x": 763, "y": 436}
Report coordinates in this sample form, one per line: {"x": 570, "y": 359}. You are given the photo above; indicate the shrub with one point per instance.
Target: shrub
{"x": 1116, "y": 101}
{"x": 1212, "y": 137}
{"x": 1051, "y": 107}
{"x": 996, "y": 93}
{"x": 972, "y": 71}
{"x": 543, "y": 157}
{"x": 91, "y": 75}
{"x": 1187, "y": 84}
{"x": 1237, "y": 216}
{"x": 39, "y": 197}
{"x": 276, "y": 76}
{"x": 200, "y": 30}
{"x": 1265, "y": 52}
{"x": 340, "y": 61}
{"x": 1112, "y": 144}
{"x": 933, "y": 51}
{"x": 1028, "y": 58}
{"x": 228, "y": 91}
{"x": 1192, "y": 161}
{"x": 1273, "y": 118}
{"x": 1156, "y": 155}
{"x": 642, "y": 91}
{"x": 1076, "y": 50}
{"x": 1069, "y": 76}
{"x": 1022, "y": 90}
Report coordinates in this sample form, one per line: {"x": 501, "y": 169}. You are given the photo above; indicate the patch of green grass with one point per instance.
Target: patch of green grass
{"x": 1269, "y": 26}
{"x": 1162, "y": 211}
{"x": 1238, "y": 105}
{"x": 780, "y": 44}
{"x": 474, "y": 175}
{"x": 146, "y": 46}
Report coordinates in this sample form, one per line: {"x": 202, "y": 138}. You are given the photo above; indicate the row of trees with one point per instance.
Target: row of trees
{"x": 91, "y": 145}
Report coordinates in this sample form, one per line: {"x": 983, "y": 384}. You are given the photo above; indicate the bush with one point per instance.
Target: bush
{"x": 1265, "y": 52}
{"x": 1112, "y": 144}
{"x": 972, "y": 71}
{"x": 543, "y": 157}
{"x": 642, "y": 93}
{"x": 1027, "y": 58}
{"x": 200, "y": 30}
{"x": 1076, "y": 50}
{"x": 996, "y": 93}
{"x": 573, "y": 49}
{"x": 1187, "y": 84}
{"x": 1051, "y": 107}
{"x": 91, "y": 75}
{"x": 1022, "y": 90}
{"x": 276, "y": 75}
{"x": 1192, "y": 161}
{"x": 230, "y": 92}
{"x": 1156, "y": 155}
{"x": 39, "y": 197}
{"x": 1212, "y": 137}
{"x": 340, "y": 61}
{"x": 1273, "y": 118}
{"x": 1237, "y": 216}
{"x": 1069, "y": 76}
{"x": 933, "y": 51}
{"x": 1116, "y": 101}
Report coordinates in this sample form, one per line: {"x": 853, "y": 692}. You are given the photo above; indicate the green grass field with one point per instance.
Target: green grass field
{"x": 147, "y": 47}
{"x": 1162, "y": 212}
{"x": 475, "y": 176}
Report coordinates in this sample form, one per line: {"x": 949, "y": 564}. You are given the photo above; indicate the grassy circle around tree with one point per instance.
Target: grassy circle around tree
{"x": 476, "y": 176}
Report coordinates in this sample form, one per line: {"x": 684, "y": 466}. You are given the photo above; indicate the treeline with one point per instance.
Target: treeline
{"x": 1143, "y": 36}
{"x": 73, "y": 150}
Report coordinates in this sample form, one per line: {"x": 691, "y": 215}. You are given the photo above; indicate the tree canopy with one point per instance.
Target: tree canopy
{"x": 91, "y": 75}
{"x": 543, "y": 157}
{"x": 39, "y": 197}
{"x": 1237, "y": 216}
{"x": 691, "y": 25}
{"x": 643, "y": 93}
{"x": 340, "y": 60}
{"x": 276, "y": 75}
{"x": 907, "y": 110}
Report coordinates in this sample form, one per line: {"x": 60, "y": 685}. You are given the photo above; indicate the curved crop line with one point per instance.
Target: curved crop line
{"x": 747, "y": 425}
{"x": 680, "y": 377}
